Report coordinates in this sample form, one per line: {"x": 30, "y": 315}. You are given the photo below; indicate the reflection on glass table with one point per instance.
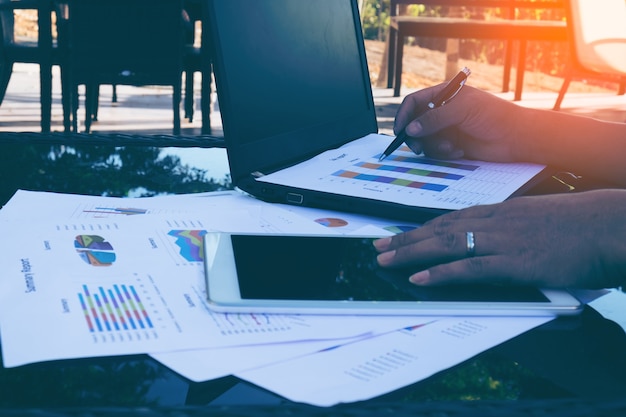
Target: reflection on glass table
{"x": 112, "y": 165}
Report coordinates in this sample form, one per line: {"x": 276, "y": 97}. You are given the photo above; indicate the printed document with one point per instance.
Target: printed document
{"x": 92, "y": 287}
{"x": 377, "y": 365}
{"x": 404, "y": 177}
{"x": 99, "y": 276}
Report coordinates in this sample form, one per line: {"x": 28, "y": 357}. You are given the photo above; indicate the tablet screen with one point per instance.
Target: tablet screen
{"x": 343, "y": 268}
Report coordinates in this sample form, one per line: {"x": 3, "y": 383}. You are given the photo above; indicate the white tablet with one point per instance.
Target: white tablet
{"x": 339, "y": 275}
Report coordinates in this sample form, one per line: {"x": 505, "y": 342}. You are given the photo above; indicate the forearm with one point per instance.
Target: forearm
{"x": 604, "y": 211}
{"x": 582, "y": 145}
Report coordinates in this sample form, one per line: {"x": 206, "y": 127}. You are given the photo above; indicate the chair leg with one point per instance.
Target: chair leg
{"x": 189, "y": 75}
{"x": 521, "y": 68}
{"x": 205, "y": 103}
{"x": 74, "y": 103}
{"x": 5, "y": 75}
{"x": 391, "y": 57}
{"x": 95, "y": 104}
{"x": 45, "y": 94}
{"x": 66, "y": 100}
{"x": 506, "y": 75}
{"x": 176, "y": 107}
{"x": 91, "y": 96}
{"x": 397, "y": 78}
{"x": 564, "y": 87}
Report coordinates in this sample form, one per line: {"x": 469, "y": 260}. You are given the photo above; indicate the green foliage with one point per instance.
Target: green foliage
{"x": 375, "y": 19}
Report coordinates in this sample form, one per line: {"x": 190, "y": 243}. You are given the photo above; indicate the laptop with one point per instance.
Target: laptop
{"x": 300, "y": 123}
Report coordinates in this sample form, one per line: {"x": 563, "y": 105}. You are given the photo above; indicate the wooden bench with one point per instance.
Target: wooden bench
{"x": 507, "y": 28}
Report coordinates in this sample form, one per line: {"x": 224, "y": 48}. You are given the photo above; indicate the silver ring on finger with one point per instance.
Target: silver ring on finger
{"x": 470, "y": 244}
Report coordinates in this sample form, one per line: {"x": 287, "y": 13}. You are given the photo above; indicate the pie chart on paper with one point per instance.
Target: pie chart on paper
{"x": 94, "y": 250}
{"x": 332, "y": 222}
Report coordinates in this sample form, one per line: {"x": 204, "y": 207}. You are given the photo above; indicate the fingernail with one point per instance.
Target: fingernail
{"x": 382, "y": 243}
{"x": 415, "y": 145}
{"x": 420, "y": 278}
{"x": 386, "y": 257}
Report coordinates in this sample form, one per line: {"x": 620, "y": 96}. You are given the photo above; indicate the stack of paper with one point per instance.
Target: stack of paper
{"x": 96, "y": 276}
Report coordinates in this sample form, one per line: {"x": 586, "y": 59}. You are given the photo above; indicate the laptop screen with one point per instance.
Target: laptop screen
{"x": 292, "y": 79}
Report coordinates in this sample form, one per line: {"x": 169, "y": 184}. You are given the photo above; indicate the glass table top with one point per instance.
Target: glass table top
{"x": 576, "y": 358}
{"x": 112, "y": 165}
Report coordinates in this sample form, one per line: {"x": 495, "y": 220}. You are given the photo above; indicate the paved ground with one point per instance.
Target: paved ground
{"x": 148, "y": 110}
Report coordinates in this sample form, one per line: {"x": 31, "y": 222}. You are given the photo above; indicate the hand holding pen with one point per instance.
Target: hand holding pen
{"x": 447, "y": 94}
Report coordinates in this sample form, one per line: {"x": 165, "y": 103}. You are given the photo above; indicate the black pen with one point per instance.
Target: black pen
{"x": 447, "y": 94}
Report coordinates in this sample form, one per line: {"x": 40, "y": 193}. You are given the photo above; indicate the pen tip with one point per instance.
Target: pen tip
{"x": 381, "y": 157}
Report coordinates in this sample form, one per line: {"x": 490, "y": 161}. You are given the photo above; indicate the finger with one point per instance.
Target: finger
{"x": 485, "y": 269}
{"x": 442, "y": 148}
{"x": 436, "y": 120}
{"x": 415, "y": 145}
{"x": 417, "y": 122}
{"x": 412, "y": 105}
{"x": 435, "y": 147}
{"x": 470, "y": 219}
{"x": 437, "y": 249}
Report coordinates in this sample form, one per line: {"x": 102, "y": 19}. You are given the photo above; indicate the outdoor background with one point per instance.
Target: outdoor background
{"x": 425, "y": 59}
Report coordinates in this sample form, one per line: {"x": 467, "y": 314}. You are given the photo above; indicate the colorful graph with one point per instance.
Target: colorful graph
{"x": 94, "y": 250}
{"x": 416, "y": 175}
{"x": 331, "y": 222}
{"x": 410, "y": 171}
{"x": 115, "y": 309}
{"x": 190, "y": 244}
{"x": 390, "y": 180}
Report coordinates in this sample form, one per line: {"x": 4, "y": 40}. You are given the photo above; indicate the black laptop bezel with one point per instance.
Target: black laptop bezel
{"x": 285, "y": 149}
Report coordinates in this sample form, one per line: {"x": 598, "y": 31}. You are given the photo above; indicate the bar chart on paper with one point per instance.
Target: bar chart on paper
{"x": 405, "y": 177}
{"x": 419, "y": 177}
{"x": 118, "y": 312}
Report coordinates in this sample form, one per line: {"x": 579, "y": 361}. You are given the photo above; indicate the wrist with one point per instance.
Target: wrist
{"x": 528, "y": 136}
{"x": 547, "y": 137}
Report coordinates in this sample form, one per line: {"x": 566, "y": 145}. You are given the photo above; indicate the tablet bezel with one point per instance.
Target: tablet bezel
{"x": 224, "y": 296}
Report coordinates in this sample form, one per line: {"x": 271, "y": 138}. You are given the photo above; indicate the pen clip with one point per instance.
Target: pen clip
{"x": 461, "y": 84}
{"x": 465, "y": 72}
